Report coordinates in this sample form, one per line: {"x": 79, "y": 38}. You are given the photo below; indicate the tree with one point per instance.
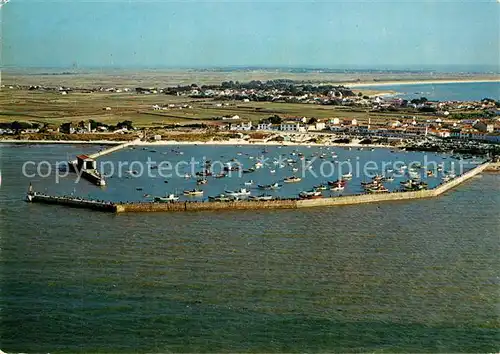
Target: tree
{"x": 312, "y": 121}
{"x": 275, "y": 119}
{"x": 65, "y": 128}
{"x": 125, "y": 124}
{"x": 360, "y": 94}
{"x": 16, "y": 126}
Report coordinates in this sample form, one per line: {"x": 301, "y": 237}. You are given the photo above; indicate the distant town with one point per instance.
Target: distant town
{"x": 417, "y": 118}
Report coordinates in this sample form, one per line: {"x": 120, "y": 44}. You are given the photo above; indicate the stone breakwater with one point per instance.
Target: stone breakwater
{"x": 252, "y": 205}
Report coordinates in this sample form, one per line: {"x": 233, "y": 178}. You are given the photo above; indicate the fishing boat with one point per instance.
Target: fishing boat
{"x": 292, "y": 179}
{"x": 320, "y": 187}
{"x": 310, "y": 195}
{"x": 334, "y": 183}
{"x": 269, "y": 186}
{"x": 240, "y": 193}
{"x": 168, "y": 198}
{"x": 221, "y": 198}
{"x": 193, "y": 192}
{"x": 338, "y": 187}
{"x": 201, "y": 181}
{"x": 379, "y": 189}
{"x": 261, "y": 198}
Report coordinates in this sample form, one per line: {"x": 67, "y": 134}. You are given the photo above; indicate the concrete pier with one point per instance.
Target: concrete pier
{"x": 86, "y": 165}
{"x": 35, "y": 197}
{"x": 253, "y": 205}
{"x": 114, "y": 148}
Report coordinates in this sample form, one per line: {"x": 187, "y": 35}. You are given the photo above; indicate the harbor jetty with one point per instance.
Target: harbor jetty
{"x": 35, "y": 197}
{"x": 86, "y": 165}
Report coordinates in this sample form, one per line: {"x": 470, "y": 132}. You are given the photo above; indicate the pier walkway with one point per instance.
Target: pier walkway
{"x": 250, "y": 205}
{"x": 114, "y": 148}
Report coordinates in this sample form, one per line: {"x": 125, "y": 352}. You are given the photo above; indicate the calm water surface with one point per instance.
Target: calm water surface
{"x": 465, "y": 91}
{"x": 405, "y": 276}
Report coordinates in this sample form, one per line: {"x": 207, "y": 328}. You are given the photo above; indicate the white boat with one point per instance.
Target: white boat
{"x": 292, "y": 179}
{"x": 168, "y": 198}
{"x": 269, "y": 186}
{"x": 241, "y": 193}
{"x": 249, "y": 183}
{"x": 258, "y": 164}
{"x": 347, "y": 176}
{"x": 193, "y": 192}
{"x": 295, "y": 169}
{"x": 338, "y": 187}
{"x": 222, "y": 198}
{"x": 272, "y": 171}
{"x": 262, "y": 197}
{"x": 310, "y": 194}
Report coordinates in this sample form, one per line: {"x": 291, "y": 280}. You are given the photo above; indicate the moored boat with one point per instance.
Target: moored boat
{"x": 261, "y": 198}
{"x": 169, "y": 198}
{"x": 313, "y": 194}
{"x": 338, "y": 187}
{"x": 243, "y": 192}
{"x": 292, "y": 179}
{"x": 193, "y": 192}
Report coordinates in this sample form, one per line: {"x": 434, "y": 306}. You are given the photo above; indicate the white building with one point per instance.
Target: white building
{"x": 241, "y": 126}
{"x": 291, "y": 126}
{"x": 264, "y": 126}
{"x": 316, "y": 126}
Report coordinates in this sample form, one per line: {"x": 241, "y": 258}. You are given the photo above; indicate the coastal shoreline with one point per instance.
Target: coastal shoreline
{"x": 233, "y": 142}
{"x": 419, "y": 82}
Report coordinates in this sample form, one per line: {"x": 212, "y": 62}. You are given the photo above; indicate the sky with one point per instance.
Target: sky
{"x": 376, "y": 34}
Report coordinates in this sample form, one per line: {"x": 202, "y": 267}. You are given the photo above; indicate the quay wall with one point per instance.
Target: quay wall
{"x": 460, "y": 179}
{"x": 364, "y": 198}
{"x": 200, "y": 206}
{"x": 74, "y": 202}
{"x": 252, "y": 205}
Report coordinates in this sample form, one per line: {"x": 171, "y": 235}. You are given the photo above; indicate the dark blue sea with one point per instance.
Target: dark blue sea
{"x": 445, "y": 91}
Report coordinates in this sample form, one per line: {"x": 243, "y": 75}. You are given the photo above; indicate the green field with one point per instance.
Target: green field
{"x": 54, "y": 108}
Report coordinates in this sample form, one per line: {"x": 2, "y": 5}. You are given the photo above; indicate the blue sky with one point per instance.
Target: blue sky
{"x": 373, "y": 34}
